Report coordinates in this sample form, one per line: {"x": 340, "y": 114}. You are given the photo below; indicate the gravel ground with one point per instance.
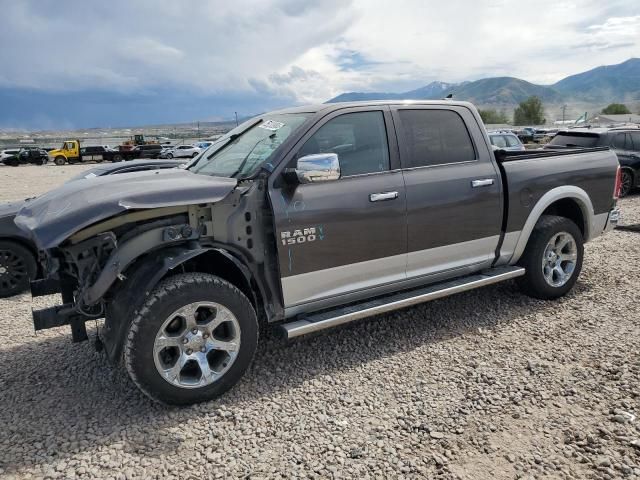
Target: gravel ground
{"x": 486, "y": 384}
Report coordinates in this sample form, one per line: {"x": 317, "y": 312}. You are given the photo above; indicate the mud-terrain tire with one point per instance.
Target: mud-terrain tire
{"x": 59, "y": 160}
{"x": 17, "y": 267}
{"x": 182, "y": 330}
{"x": 552, "y": 258}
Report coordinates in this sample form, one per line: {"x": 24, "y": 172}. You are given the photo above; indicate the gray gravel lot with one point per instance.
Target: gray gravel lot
{"x": 486, "y": 384}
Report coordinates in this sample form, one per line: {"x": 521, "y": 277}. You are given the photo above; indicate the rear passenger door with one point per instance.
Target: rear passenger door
{"x": 454, "y": 196}
{"x": 338, "y": 239}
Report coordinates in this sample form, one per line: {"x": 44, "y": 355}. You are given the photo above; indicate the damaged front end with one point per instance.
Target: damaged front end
{"x": 84, "y": 270}
{"x": 92, "y": 234}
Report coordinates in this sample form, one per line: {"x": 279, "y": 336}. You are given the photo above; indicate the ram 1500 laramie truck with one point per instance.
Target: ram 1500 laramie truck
{"x": 308, "y": 218}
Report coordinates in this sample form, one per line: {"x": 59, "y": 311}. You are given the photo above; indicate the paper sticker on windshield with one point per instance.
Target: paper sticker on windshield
{"x": 271, "y": 125}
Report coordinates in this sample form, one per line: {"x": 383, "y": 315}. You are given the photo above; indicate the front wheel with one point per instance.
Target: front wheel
{"x": 60, "y": 160}
{"x": 194, "y": 154}
{"x": 552, "y": 258}
{"x": 170, "y": 155}
{"x": 192, "y": 340}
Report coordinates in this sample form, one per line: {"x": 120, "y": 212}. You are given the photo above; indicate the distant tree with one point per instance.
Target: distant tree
{"x": 493, "y": 116}
{"x": 529, "y": 112}
{"x": 616, "y": 109}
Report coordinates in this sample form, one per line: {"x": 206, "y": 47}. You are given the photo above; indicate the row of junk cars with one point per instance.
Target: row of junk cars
{"x": 624, "y": 140}
{"x": 72, "y": 152}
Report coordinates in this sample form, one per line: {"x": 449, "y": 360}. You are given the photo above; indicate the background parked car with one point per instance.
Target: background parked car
{"x": 506, "y": 141}
{"x": 8, "y": 153}
{"x": 184, "y": 151}
{"x": 18, "y": 255}
{"x": 146, "y": 151}
{"x": 35, "y": 156}
{"x": 625, "y": 141}
{"x": 166, "y": 149}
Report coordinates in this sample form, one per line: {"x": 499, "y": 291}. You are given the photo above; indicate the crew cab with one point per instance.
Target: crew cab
{"x": 72, "y": 152}
{"x": 308, "y": 218}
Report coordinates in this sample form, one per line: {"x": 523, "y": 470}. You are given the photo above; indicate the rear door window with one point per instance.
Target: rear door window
{"x": 434, "y": 137}
{"x": 635, "y": 141}
{"x": 512, "y": 141}
{"x": 620, "y": 141}
{"x": 499, "y": 141}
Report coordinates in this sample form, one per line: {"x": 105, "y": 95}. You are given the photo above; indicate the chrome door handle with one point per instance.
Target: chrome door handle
{"x": 379, "y": 197}
{"x": 482, "y": 183}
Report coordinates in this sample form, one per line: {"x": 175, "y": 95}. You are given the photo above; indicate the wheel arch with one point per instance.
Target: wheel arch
{"x": 567, "y": 201}
{"x": 148, "y": 271}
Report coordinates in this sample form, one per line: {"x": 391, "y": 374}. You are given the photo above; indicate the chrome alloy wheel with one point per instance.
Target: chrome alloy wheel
{"x": 559, "y": 259}
{"x": 197, "y": 344}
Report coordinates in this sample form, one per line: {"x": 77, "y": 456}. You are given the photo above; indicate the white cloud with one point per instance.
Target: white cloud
{"x": 306, "y": 51}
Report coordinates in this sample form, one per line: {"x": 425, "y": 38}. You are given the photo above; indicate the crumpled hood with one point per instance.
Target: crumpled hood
{"x": 9, "y": 209}
{"x": 53, "y": 217}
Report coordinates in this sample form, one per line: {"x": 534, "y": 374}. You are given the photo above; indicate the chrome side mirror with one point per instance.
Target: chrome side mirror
{"x": 319, "y": 167}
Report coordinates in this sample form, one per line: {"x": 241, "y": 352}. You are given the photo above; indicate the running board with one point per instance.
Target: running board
{"x": 332, "y": 318}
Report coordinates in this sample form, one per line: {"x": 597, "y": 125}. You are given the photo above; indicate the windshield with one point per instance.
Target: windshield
{"x": 243, "y": 150}
{"x": 575, "y": 139}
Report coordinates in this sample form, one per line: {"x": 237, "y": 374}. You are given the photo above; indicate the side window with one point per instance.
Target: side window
{"x": 619, "y": 141}
{"x": 635, "y": 141}
{"x": 512, "y": 141}
{"x": 359, "y": 139}
{"x": 499, "y": 141}
{"x": 435, "y": 137}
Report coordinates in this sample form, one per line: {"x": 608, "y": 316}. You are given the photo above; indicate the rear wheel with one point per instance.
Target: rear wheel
{"x": 626, "y": 182}
{"x": 59, "y": 160}
{"x": 117, "y": 158}
{"x": 192, "y": 340}
{"x": 169, "y": 155}
{"x": 17, "y": 267}
{"x": 552, "y": 258}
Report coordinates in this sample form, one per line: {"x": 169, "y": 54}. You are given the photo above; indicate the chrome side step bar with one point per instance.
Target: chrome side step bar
{"x": 332, "y": 318}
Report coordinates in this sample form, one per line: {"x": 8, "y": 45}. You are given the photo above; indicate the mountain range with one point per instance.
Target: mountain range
{"x": 599, "y": 86}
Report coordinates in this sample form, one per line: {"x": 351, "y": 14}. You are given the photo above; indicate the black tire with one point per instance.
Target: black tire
{"x": 169, "y": 155}
{"x": 17, "y": 267}
{"x": 59, "y": 160}
{"x": 534, "y": 283}
{"x": 194, "y": 154}
{"x": 170, "y": 295}
{"x": 117, "y": 158}
{"x": 626, "y": 182}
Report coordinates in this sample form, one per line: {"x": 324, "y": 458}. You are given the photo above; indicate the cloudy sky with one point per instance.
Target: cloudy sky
{"x": 181, "y": 60}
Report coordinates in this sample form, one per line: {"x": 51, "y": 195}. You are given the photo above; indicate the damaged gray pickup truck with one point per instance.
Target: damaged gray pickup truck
{"x": 308, "y": 218}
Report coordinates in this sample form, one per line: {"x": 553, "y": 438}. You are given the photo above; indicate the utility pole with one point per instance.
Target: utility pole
{"x": 564, "y": 109}
{"x": 198, "y": 129}
{"x": 236, "y": 118}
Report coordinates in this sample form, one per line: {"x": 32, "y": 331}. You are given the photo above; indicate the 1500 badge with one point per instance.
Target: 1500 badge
{"x": 300, "y": 235}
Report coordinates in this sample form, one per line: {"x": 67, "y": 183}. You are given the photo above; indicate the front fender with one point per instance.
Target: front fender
{"x": 140, "y": 280}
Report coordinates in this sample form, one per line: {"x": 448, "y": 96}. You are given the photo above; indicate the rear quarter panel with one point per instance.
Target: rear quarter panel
{"x": 528, "y": 180}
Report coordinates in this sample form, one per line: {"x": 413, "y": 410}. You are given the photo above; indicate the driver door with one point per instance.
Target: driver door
{"x": 338, "y": 239}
